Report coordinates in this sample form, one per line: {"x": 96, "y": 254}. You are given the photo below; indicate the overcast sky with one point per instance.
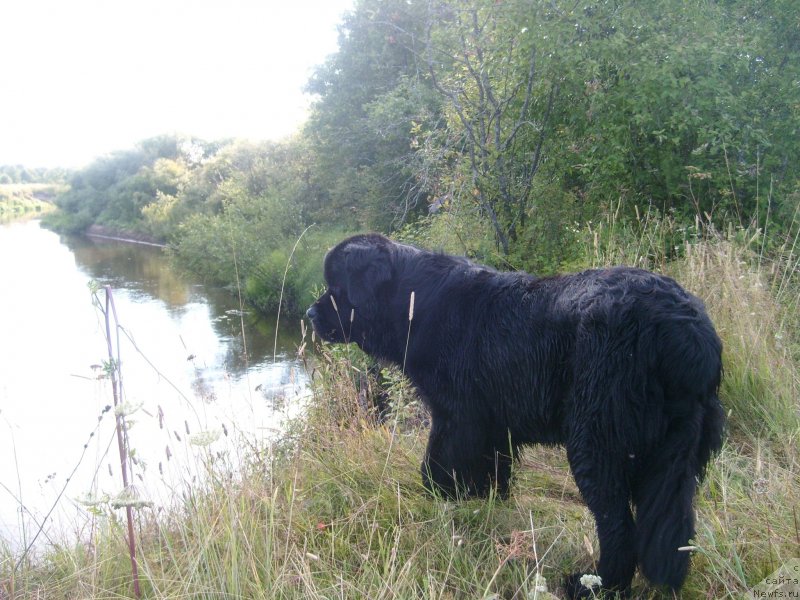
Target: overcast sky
{"x": 81, "y": 78}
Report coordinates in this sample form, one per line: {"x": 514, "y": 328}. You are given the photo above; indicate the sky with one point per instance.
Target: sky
{"x": 82, "y": 78}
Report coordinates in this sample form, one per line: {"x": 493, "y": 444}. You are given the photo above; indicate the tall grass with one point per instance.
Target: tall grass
{"x": 336, "y": 509}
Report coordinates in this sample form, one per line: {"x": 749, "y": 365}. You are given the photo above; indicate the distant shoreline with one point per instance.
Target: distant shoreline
{"x": 127, "y": 240}
{"x": 98, "y": 231}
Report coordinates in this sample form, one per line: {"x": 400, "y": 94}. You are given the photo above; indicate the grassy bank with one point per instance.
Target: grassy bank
{"x": 20, "y": 199}
{"x": 336, "y": 508}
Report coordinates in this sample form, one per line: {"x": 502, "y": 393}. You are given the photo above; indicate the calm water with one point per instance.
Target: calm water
{"x": 187, "y": 380}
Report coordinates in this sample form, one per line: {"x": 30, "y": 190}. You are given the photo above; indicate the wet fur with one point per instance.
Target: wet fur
{"x": 620, "y": 365}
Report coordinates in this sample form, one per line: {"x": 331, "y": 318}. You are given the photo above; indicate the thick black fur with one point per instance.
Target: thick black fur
{"x": 620, "y": 365}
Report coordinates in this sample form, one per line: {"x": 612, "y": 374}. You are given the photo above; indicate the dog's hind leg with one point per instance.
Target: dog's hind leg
{"x": 604, "y": 488}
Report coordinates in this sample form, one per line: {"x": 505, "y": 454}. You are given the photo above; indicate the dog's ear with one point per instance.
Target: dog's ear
{"x": 368, "y": 267}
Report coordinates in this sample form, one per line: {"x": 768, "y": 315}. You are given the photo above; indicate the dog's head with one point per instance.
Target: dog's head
{"x": 358, "y": 272}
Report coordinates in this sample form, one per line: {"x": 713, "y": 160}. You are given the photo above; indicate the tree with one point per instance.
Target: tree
{"x": 497, "y": 102}
{"x": 683, "y": 106}
{"x": 369, "y": 95}
{"x": 689, "y": 108}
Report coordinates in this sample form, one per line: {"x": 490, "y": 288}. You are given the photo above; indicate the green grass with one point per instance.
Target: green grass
{"x": 336, "y": 508}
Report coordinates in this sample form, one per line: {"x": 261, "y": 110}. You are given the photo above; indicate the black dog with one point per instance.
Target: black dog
{"x": 620, "y": 365}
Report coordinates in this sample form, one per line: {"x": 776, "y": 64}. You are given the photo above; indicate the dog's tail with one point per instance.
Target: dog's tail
{"x": 664, "y": 493}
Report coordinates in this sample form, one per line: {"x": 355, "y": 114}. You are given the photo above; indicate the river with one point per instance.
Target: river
{"x": 200, "y": 379}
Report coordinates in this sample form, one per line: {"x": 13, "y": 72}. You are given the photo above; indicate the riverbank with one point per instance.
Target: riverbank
{"x": 335, "y": 508}
{"x": 23, "y": 199}
{"x": 120, "y": 235}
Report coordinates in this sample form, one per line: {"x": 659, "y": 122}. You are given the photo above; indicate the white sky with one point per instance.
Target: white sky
{"x": 81, "y": 78}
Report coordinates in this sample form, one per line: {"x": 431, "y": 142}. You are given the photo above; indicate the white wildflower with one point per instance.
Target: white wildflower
{"x": 591, "y": 581}
{"x": 89, "y": 500}
{"x": 130, "y": 497}
{"x": 127, "y": 408}
{"x": 204, "y": 438}
{"x": 539, "y": 583}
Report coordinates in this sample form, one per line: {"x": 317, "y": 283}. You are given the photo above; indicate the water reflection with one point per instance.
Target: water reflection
{"x": 185, "y": 371}
{"x": 145, "y": 273}
{"x": 140, "y": 268}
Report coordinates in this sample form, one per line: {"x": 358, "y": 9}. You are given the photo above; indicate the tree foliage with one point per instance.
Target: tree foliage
{"x": 498, "y": 106}
{"x": 503, "y": 129}
{"x": 370, "y": 95}
{"x": 22, "y": 174}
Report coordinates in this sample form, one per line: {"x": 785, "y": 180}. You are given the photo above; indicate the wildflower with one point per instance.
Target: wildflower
{"x": 539, "y": 583}
{"x": 204, "y": 438}
{"x": 591, "y": 581}
{"x": 130, "y": 497}
{"x": 127, "y": 408}
{"x": 91, "y": 501}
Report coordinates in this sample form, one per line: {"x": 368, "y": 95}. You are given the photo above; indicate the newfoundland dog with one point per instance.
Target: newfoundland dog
{"x": 620, "y": 365}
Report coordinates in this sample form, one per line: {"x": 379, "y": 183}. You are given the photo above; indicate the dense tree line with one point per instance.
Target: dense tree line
{"x": 20, "y": 174}
{"x": 500, "y": 128}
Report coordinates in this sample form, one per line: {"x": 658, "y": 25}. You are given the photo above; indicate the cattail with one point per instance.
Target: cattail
{"x": 411, "y": 308}
{"x": 587, "y": 543}
{"x": 333, "y": 301}
{"x": 352, "y": 315}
